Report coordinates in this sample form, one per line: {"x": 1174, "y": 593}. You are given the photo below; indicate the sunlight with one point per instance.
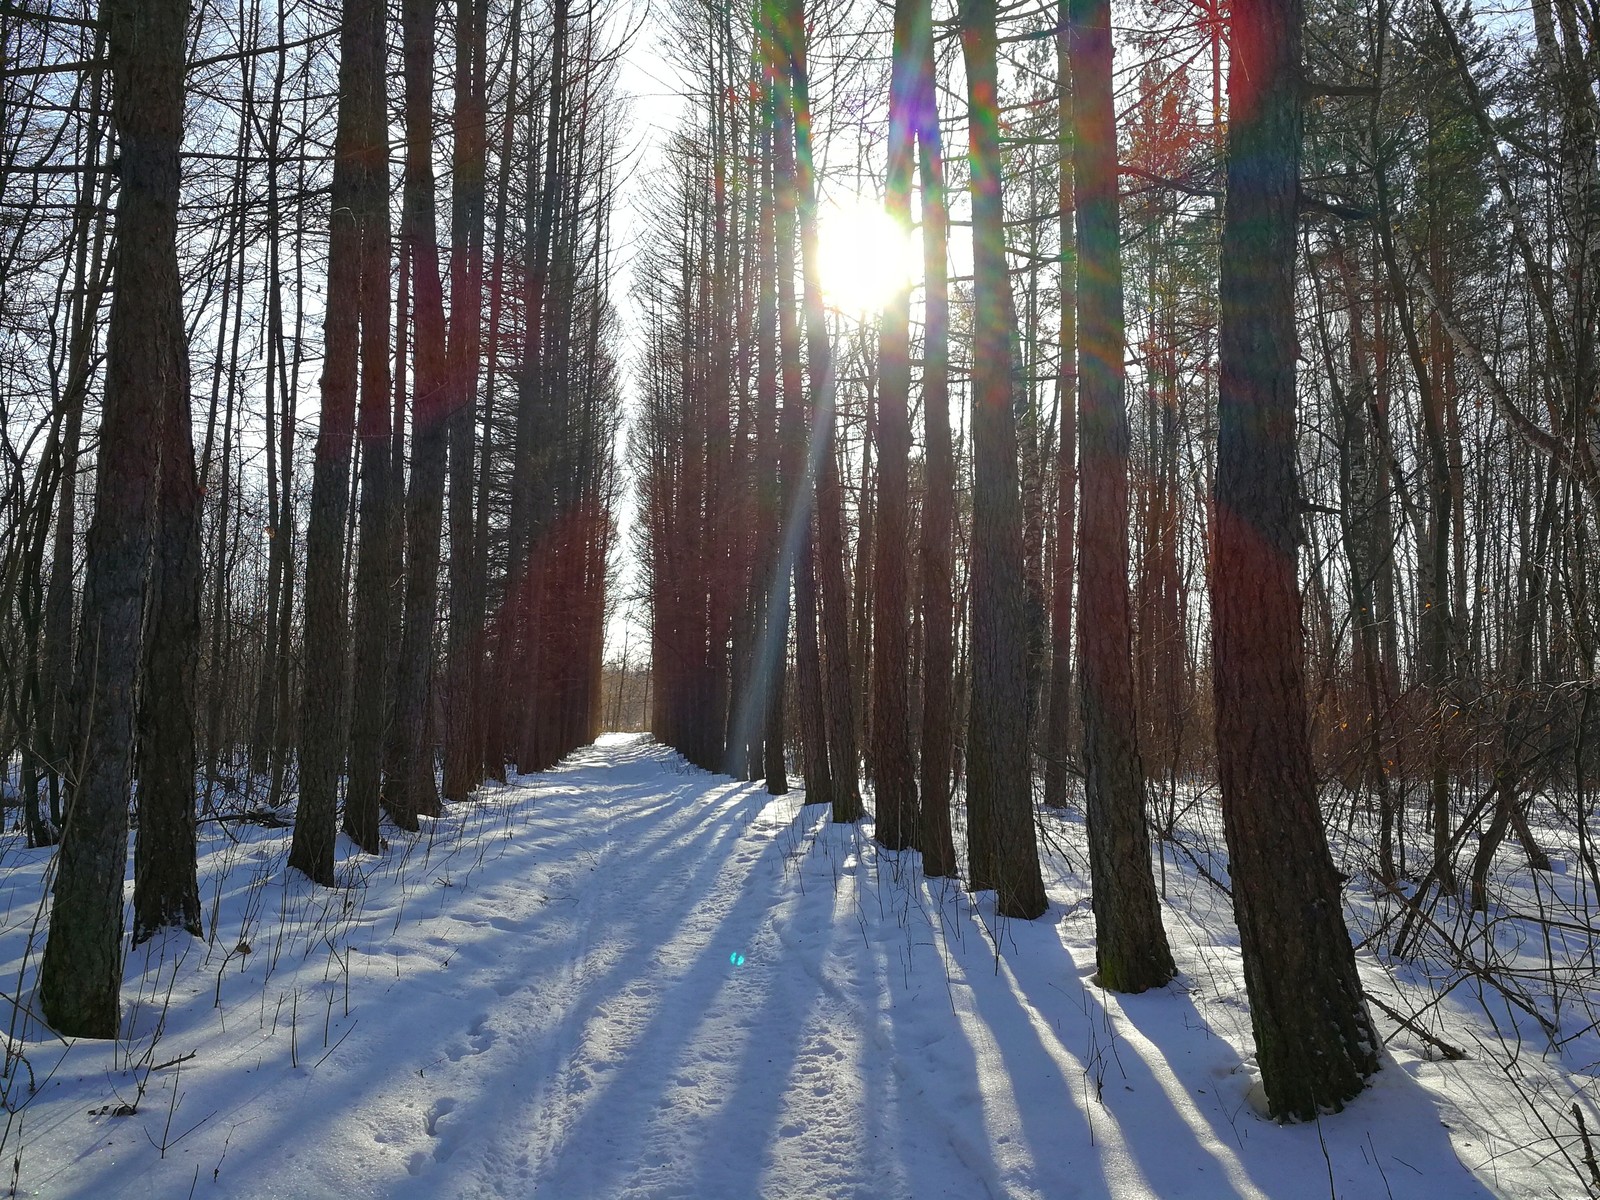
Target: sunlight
{"x": 862, "y": 256}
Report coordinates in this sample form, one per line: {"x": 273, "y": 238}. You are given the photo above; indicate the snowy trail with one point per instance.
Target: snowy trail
{"x": 546, "y": 1001}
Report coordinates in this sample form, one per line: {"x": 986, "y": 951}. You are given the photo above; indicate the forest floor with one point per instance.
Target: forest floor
{"x": 629, "y": 978}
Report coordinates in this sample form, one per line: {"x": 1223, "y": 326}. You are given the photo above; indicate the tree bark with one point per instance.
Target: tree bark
{"x": 1130, "y": 945}
{"x": 378, "y": 562}
{"x": 166, "y": 890}
{"x": 1056, "y": 737}
{"x": 839, "y": 701}
{"x": 893, "y": 768}
{"x": 413, "y": 792}
{"x": 1002, "y": 850}
{"x": 937, "y": 574}
{"x": 464, "y": 649}
{"x": 1314, "y": 1043}
{"x": 322, "y": 740}
{"x": 147, "y": 377}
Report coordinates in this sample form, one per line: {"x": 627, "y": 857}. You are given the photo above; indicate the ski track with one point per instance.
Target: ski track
{"x": 562, "y": 1019}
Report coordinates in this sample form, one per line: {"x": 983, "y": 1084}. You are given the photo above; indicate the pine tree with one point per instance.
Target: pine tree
{"x": 1314, "y": 1043}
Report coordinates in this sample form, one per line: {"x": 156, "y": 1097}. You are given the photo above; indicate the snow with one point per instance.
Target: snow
{"x": 543, "y": 995}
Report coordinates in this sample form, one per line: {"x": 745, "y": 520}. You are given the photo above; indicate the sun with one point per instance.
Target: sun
{"x": 862, "y": 256}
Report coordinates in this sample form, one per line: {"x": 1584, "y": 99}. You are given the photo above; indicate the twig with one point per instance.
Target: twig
{"x": 1453, "y": 1053}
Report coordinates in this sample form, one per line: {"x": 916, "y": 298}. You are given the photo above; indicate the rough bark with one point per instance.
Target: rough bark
{"x": 321, "y": 739}
{"x": 412, "y": 791}
{"x": 378, "y": 562}
{"x": 1130, "y": 945}
{"x": 936, "y": 581}
{"x": 1003, "y": 853}
{"x": 839, "y": 700}
{"x": 798, "y": 455}
{"x": 464, "y": 651}
{"x": 166, "y": 890}
{"x": 1314, "y": 1043}
{"x": 146, "y": 377}
{"x": 1056, "y": 736}
{"x": 893, "y": 768}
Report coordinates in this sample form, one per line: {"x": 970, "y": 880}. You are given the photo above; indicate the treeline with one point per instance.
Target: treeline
{"x": 309, "y": 393}
{"x": 1238, "y": 436}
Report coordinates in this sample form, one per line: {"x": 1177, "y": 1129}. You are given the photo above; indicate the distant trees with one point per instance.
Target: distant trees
{"x": 1120, "y": 453}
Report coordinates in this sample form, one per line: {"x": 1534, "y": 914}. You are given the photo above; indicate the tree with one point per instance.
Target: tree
{"x": 1314, "y": 1043}
{"x": 355, "y": 158}
{"x": 166, "y": 890}
{"x": 1003, "y": 852}
{"x": 937, "y": 584}
{"x": 839, "y": 703}
{"x": 1055, "y": 738}
{"x": 377, "y": 569}
{"x": 1130, "y": 944}
{"x": 411, "y": 790}
{"x": 893, "y": 768}
{"x": 147, "y": 379}
{"x": 464, "y": 660}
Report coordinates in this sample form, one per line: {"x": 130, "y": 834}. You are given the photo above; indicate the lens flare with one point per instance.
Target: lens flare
{"x": 863, "y": 257}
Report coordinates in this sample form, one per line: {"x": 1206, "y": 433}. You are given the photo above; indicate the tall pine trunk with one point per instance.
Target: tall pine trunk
{"x": 147, "y": 379}
{"x": 1314, "y": 1042}
{"x": 321, "y": 734}
{"x": 413, "y": 791}
{"x": 1002, "y": 848}
{"x": 937, "y": 572}
{"x": 166, "y": 890}
{"x": 378, "y": 560}
{"x": 839, "y": 699}
{"x": 1056, "y": 737}
{"x": 893, "y": 768}
{"x": 464, "y": 648}
{"x": 1130, "y": 945}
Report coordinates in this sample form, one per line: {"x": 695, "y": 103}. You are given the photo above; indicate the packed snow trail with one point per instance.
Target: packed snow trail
{"x": 630, "y": 979}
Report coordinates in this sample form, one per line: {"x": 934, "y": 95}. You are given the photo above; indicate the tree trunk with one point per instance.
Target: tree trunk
{"x": 147, "y": 378}
{"x": 799, "y": 452}
{"x": 839, "y": 703}
{"x": 1130, "y": 945}
{"x": 937, "y": 582}
{"x": 1056, "y": 739}
{"x": 377, "y": 566}
{"x": 893, "y": 769}
{"x": 166, "y": 890}
{"x": 1314, "y": 1043}
{"x": 413, "y": 791}
{"x": 325, "y": 647}
{"x": 464, "y": 651}
{"x": 1002, "y": 849}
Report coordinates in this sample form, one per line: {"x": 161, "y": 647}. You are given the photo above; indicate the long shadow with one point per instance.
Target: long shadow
{"x": 1350, "y": 1146}
{"x": 931, "y": 1042}
{"x": 638, "y": 1086}
{"x": 1039, "y": 1078}
{"x": 639, "y": 935}
{"x": 691, "y": 834}
{"x": 748, "y": 1116}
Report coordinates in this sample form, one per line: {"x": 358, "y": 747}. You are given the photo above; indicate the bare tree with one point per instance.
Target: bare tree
{"x": 147, "y": 378}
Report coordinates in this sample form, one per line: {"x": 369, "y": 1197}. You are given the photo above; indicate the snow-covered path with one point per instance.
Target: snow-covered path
{"x": 627, "y": 978}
